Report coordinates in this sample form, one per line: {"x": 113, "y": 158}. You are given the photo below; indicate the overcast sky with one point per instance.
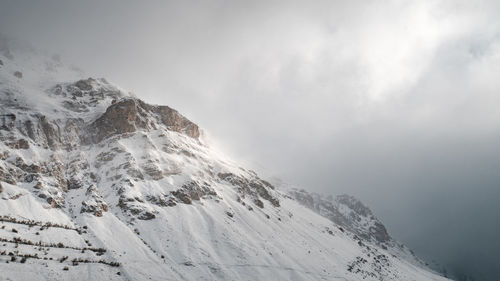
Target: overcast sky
{"x": 396, "y": 102}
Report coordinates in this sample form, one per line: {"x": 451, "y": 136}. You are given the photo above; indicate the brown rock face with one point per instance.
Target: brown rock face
{"x": 119, "y": 118}
{"x": 172, "y": 119}
{"x": 128, "y": 115}
{"x": 23, "y": 144}
{"x": 176, "y": 122}
{"x": 193, "y": 191}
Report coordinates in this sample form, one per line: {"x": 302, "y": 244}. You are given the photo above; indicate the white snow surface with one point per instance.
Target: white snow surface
{"x": 222, "y": 236}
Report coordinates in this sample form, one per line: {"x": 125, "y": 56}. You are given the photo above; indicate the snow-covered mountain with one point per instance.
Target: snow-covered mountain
{"x": 96, "y": 184}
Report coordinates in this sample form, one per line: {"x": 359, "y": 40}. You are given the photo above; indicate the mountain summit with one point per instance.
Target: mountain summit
{"x": 96, "y": 184}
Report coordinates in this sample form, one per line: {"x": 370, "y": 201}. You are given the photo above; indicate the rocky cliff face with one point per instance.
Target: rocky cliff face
{"x": 76, "y": 123}
{"x": 78, "y": 100}
{"x": 130, "y": 115}
{"x": 98, "y": 185}
{"x": 346, "y": 211}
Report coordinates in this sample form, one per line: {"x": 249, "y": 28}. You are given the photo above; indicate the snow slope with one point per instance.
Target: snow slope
{"x": 99, "y": 185}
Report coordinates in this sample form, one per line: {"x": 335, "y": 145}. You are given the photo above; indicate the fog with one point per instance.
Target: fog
{"x": 395, "y": 102}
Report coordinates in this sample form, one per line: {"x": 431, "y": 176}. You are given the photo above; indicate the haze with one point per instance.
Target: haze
{"x": 395, "y": 102}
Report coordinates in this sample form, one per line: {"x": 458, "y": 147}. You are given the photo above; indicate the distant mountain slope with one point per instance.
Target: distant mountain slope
{"x": 352, "y": 215}
{"x": 96, "y": 184}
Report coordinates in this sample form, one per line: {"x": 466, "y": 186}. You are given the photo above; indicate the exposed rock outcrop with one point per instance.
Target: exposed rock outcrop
{"x": 135, "y": 207}
{"x": 84, "y": 95}
{"x": 129, "y": 115}
{"x": 193, "y": 191}
{"x": 175, "y": 121}
{"x": 346, "y": 211}
{"x": 120, "y": 118}
{"x": 95, "y": 204}
{"x": 254, "y": 187}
